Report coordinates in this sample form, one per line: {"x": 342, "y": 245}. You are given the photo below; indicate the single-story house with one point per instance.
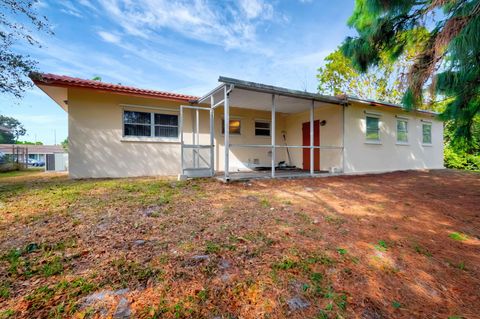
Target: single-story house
{"x": 53, "y": 157}
{"x": 239, "y": 129}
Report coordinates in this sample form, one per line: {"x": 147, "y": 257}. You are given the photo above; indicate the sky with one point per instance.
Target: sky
{"x": 177, "y": 46}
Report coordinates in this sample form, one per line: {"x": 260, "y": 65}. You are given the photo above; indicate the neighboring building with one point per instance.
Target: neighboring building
{"x": 39, "y": 153}
{"x": 119, "y": 131}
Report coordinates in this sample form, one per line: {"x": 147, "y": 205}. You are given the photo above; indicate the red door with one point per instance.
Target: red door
{"x": 306, "y": 142}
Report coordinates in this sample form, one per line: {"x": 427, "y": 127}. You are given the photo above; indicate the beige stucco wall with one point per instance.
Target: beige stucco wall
{"x": 242, "y": 158}
{"x": 388, "y": 155}
{"x": 330, "y": 135}
{"x": 97, "y": 147}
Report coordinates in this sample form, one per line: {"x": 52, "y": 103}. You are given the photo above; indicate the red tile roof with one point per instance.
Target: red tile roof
{"x": 67, "y": 81}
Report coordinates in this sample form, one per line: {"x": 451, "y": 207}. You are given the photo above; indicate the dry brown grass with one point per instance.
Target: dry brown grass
{"x": 376, "y": 246}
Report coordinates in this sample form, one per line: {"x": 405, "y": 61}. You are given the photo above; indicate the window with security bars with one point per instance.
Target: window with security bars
{"x": 146, "y": 124}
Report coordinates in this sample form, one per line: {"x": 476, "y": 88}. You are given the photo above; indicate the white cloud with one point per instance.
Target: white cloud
{"x": 256, "y": 8}
{"x": 229, "y": 24}
{"x": 88, "y": 4}
{"x": 109, "y": 37}
{"x": 69, "y": 8}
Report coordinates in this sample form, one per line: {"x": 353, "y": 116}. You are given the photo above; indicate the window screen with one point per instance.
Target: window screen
{"x": 166, "y": 125}
{"x": 150, "y": 124}
{"x": 137, "y": 123}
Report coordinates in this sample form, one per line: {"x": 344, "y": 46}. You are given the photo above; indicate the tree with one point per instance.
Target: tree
{"x": 15, "y": 67}
{"x": 338, "y": 76}
{"x": 64, "y": 144}
{"x": 448, "y": 58}
{"x": 15, "y": 130}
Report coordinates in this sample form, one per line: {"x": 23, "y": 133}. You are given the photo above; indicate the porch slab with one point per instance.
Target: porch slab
{"x": 282, "y": 174}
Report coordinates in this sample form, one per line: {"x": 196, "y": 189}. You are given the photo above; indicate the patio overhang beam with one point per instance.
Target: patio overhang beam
{"x": 208, "y": 97}
{"x": 279, "y": 91}
{"x": 326, "y": 147}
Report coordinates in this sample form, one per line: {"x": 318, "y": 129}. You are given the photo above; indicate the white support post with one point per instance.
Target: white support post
{"x": 197, "y": 132}
{"x": 212, "y": 141}
{"x": 181, "y": 140}
{"x": 226, "y": 110}
{"x": 343, "y": 138}
{"x": 272, "y": 133}
{"x": 312, "y": 164}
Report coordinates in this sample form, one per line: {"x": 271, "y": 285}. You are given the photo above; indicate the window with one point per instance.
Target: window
{"x": 137, "y": 123}
{"x": 150, "y": 124}
{"x": 262, "y": 128}
{"x": 233, "y": 128}
{"x": 402, "y": 131}
{"x": 373, "y": 130}
{"x": 427, "y": 133}
{"x": 166, "y": 125}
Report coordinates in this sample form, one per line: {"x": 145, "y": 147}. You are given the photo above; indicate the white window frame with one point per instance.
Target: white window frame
{"x": 255, "y": 121}
{"x": 403, "y": 119}
{"x": 373, "y": 141}
{"x": 222, "y": 127}
{"x": 426, "y": 123}
{"x": 152, "y": 111}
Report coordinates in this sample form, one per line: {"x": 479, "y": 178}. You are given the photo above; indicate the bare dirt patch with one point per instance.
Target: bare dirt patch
{"x": 396, "y": 245}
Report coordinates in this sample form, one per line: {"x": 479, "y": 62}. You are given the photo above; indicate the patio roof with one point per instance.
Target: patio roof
{"x": 257, "y": 96}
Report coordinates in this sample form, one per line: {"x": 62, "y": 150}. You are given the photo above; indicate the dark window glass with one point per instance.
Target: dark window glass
{"x": 166, "y": 125}
{"x": 137, "y": 130}
{"x": 373, "y": 130}
{"x": 262, "y": 129}
{"x": 166, "y": 119}
{"x": 131, "y": 117}
{"x": 427, "y": 133}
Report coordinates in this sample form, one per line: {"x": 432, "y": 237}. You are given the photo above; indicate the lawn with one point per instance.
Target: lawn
{"x": 399, "y": 245}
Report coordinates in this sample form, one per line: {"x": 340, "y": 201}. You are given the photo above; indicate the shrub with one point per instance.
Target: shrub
{"x": 10, "y": 167}
{"x": 461, "y": 160}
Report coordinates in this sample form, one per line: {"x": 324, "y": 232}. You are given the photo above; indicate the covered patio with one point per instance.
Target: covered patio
{"x": 304, "y": 134}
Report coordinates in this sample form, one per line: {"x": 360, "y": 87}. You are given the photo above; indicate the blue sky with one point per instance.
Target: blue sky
{"x": 179, "y": 46}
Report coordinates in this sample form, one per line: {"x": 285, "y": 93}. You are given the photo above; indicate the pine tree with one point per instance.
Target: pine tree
{"x": 447, "y": 33}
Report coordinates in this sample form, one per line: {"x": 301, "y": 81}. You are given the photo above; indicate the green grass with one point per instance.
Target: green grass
{"x": 8, "y": 313}
{"x": 53, "y": 267}
{"x": 396, "y": 304}
{"x": 381, "y": 246}
{"x": 30, "y": 171}
{"x": 342, "y": 251}
{"x": 422, "y": 250}
{"x": 4, "y": 291}
{"x": 458, "y": 236}
{"x": 265, "y": 203}
{"x": 285, "y": 264}
{"x": 132, "y": 274}
{"x": 60, "y": 298}
{"x": 212, "y": 247}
